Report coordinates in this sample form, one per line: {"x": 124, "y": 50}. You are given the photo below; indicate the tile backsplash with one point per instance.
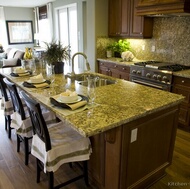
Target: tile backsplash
{"x": 171, "y": 39}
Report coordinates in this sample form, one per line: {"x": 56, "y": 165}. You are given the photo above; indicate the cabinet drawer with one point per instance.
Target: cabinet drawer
{"x": 182, "y": 81}
{"x": 178, "y": 89}
{"x": 123, "y": 68}
{"x": 107, "y": 64}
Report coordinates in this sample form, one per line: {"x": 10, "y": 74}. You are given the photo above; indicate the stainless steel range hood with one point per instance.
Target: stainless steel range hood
{"x": 181, "y": 8}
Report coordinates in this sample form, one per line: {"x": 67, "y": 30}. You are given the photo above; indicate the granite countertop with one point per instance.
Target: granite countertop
{"x": 116, "y": 104}
{"x": 184, "y": 73}
{"x": 117, "y": 61}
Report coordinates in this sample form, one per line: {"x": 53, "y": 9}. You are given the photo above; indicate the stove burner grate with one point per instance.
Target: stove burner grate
{"x": 146, "y": 63}
{"x": 174, "y": 67}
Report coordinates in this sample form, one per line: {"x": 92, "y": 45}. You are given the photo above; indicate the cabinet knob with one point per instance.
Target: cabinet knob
{"x": 183, "y": 81}
{"x": 115, "y": 66}
{"x": 123, "y": 68}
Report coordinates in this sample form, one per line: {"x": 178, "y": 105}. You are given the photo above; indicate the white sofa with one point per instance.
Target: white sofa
{"x": 11, "y": 57}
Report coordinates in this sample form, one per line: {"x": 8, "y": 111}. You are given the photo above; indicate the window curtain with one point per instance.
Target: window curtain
{"x": 36, "y": 11}
{"x": 50, "y": 20}
{"x": 3, "y": 34}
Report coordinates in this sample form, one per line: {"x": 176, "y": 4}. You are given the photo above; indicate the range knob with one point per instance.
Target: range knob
{"x": 139, "y": 72}
{"x": 159, "y": 77}
{"x": 154, "y": 76}
{"x": 148, "y": 75}
{"x": 134, "y": 71}
{"x": 165, "y": 78}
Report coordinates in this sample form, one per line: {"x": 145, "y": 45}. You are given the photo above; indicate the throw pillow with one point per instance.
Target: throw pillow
{"x": 2, "y": 55}
{"x": 10, "y": 62}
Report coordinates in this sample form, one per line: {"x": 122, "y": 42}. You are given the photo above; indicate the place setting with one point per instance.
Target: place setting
{"x": 37, "y": 81}
{"x": 20, "y": 72}
{"x": 69, "y": 100}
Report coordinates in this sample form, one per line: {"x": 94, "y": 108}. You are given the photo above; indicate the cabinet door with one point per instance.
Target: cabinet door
{"x": 114, "y": 17}
{"x": 140, "y": 26}
{"x": 182, "y": 86}
{"x": 119, "y": 17}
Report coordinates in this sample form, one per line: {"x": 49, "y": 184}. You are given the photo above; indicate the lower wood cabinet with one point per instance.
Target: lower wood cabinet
{"x": 114, "y": 70}
{"x": 121, "y": 161}
{"x": 182, "y": 86}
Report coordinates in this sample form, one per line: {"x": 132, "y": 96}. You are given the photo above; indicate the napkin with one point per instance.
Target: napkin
{"x": 40, "y": 85}
{"x": 19, "y": 74}
{"x": 72, "y": 106}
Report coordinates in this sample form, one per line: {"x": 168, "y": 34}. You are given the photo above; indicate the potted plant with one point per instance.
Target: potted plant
{"x": 121, "y": 46}
{"x": 109, "y": 50}
{"x": 56, "y": 54}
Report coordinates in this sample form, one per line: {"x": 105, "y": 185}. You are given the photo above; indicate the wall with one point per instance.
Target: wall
{"x": 17, "y": 13}
{"x": 171, "y": 38}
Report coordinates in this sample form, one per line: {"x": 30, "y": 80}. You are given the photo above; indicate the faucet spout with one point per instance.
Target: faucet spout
{"x": 87, "y": 63}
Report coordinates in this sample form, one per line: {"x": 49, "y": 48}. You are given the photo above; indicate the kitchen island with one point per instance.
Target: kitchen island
{"x": 132, "y": 129}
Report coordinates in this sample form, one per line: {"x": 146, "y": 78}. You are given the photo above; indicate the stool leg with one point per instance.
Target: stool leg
{"x": 50, "y": 179}
{"x": 18, "y": 143}
{"x": 26, "y": 146}
{"x": 85, "y": 170}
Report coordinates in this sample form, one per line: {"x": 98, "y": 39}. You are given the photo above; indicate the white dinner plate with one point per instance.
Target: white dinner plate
{"x": 69, "y": 102}
{"x": 20, "y": 72}
{"x": 29, "y": 81}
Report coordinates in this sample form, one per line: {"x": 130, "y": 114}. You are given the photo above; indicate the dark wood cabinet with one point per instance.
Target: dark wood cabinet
{"x": 182, "y": 86}
{"x": 123, "y": 21}
{"x": 114, "y": 70}
{"x": 156, "y": 2}
{"x": 122, "y": 160}
{"x": 151, "y": 7}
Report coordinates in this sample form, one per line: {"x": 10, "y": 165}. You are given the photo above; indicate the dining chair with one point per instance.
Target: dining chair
{"x": 20, "y": 119}
{"x": 6, "y": 106}
{"x": 56, "y": 144}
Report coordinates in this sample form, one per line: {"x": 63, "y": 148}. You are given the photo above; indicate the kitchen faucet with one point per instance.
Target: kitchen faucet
{"x": 72, "y": 74}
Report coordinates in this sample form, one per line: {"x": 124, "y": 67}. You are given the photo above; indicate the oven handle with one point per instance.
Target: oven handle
{"x": 144, "y": 83}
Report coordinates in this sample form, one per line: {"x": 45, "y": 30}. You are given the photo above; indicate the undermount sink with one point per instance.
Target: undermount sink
{"x": 101, "y": 81}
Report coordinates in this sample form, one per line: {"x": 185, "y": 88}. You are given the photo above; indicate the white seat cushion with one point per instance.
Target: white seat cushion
{"x": 67, "y": 146}
{"x": 7, "y": 106}
{"x": 24, "y": 127}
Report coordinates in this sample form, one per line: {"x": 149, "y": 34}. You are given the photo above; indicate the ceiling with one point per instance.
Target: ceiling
{"x": 23, "y": 3}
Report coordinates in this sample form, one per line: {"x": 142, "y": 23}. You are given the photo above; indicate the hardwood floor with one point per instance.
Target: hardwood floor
{"x": 14, "y": 174}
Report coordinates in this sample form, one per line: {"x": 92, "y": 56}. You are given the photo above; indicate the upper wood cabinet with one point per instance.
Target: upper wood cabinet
{"x": 123, "y": 21}
{"x": 151, "y": 7}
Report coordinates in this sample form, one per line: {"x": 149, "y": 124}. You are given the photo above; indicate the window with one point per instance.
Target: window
{"x": 44, "y": 26}
{"x": 68, "y": 27}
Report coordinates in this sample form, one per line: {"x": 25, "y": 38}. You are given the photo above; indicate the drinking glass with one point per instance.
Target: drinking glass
{"x": 32, "y": 66}
{"x": 50, "y": 72}
{"x": 91, "y": 88}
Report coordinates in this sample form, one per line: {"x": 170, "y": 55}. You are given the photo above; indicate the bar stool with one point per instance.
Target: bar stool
{"x": 56, "y": 144}
{"x": 20, "y": 119}
{"x": 6, "y": 106}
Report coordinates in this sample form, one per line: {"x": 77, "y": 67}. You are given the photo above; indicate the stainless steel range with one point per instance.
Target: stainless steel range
{"x": 155, "y": 74}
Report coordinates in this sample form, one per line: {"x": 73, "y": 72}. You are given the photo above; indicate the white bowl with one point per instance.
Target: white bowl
{"x": 36, "y": 80}
{"x": 19, "y": 70}
{"x": 68, "y": 98}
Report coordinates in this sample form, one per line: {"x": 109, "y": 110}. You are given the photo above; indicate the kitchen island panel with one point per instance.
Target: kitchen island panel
{"x": 152, "y": 151}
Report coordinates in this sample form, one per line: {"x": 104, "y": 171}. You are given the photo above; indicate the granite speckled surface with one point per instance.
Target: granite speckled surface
{"x": 171, "y": 38}
{"x": 116, "y": 104}
{"x": 184, "y": 73}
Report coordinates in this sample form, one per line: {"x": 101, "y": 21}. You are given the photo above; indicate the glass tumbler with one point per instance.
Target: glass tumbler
{"x": 91, "y": 89}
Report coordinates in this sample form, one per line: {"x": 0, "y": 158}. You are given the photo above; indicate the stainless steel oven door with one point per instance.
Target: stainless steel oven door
{"x": 146, "y": 82}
